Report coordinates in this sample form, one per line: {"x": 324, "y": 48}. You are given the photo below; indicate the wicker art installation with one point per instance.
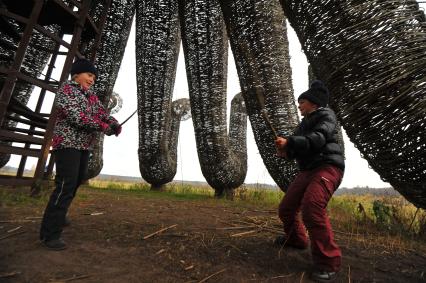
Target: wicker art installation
{"x": 371, "y": 55}
{"x": 261, "y": 49}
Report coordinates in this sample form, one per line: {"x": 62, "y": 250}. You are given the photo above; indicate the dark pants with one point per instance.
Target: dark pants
{"x": 310, "y": 193}
{"x": 71, "y": 170}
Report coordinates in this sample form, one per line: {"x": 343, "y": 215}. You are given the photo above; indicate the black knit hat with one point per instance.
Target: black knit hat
{"x": 317, "y": 94}
{"x": 83, "y": 66}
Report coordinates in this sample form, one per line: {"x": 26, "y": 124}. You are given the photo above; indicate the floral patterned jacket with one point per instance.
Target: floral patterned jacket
{"x": 80, "y": 115}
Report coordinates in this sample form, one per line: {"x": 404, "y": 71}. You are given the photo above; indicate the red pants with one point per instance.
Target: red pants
{"x": 310, "y": 193}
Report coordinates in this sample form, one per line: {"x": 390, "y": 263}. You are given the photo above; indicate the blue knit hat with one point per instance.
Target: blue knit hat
{"x": 317, "y": 94}
{"x": 83, "y": 66}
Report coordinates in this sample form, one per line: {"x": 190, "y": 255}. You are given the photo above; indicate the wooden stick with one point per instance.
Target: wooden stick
{"x": 244, "y": 233}
{"x": 9, "y": 274}
{"x": 159, "y": 231}
{"x": 235, "y": 228}
{"x": 15, "y": 221}
{"x": 415, "y": 214}
{"x": 11, "y": 235}
{"x": 282, "y": 276}
{"x": 210, "y": 276}
{"x": 70, "y": 279}
{"x": 349, "y": 274}
{"x": 14, "y": 229}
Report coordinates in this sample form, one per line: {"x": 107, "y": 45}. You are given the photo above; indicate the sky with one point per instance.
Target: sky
{"x": 120, "y": 153}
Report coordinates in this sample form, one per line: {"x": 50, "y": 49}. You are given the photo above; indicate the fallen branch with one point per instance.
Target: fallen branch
{"x": 10, "y": 274}
{"x": 14, "y": 229}
{"x": 346, "y": 233}
{"x": 70, "y": 279}
{"x": 93, "y": 213}
{"x": 244, "y": 233}
{"x": 301, "y": 278}
{"x": 210, "y": 276}
{"x": 11, "y": 235}
{"x": 235, "y": 228}
{"x": 15, "y": 221}
{"x": 33, "y": 217}
{"x": 282, "y": 276}
{"x": 159, "y": 231}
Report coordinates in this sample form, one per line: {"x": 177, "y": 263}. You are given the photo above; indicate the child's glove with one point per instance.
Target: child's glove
{"x": 113, "y": 129}
{"x": 116, "y": 128}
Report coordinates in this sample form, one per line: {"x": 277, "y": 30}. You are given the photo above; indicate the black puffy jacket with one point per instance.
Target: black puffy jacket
{"x": 314, "y": 142}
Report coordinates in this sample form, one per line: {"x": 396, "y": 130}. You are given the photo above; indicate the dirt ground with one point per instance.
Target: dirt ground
{"x": 203, "y": 241}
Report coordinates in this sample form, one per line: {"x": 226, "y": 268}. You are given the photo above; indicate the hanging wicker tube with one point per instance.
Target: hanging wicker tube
{"x": 108, "y": 60}
{"x": 371, "y": 55}
{"x": 205, "y": 45}
{"x": 157, "y": 49}
{"x": 259, "y": 43}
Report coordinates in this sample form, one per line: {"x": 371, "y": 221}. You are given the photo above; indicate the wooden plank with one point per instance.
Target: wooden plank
{"x": 26, "y": 121}
{"x": 19, "y": 150}
{"x": 9, "y": 136}
{"x": 15, "y": 181}
{"x": 25, "y": 131}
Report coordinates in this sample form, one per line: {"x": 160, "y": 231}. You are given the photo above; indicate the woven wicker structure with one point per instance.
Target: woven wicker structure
{"x": 33, "y": 65}
{"x": 223, "y": 158}
{"x": 371, "y": 55}
{"x": 258, "y": 37}
{"x": 110, "y": 54}
{"x": 259, "y": 43}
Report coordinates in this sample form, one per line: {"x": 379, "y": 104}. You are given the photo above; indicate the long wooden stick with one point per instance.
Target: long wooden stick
{"x": 210, "y": 276}
{"x": 244, "y": 233}
{"x": 70, "y": 279}
{"x": 9, "y": 274}
{"x": 11, "y": 235}
{"x": 159, "y": 231}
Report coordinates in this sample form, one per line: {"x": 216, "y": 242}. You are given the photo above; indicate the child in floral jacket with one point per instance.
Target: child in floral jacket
{"x": 80, "y": 116}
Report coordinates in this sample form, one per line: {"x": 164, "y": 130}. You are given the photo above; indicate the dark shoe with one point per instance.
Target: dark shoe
{"x": 67, "y": 222}
{"x": 282, "y": 240}
{"x": 323, "y": 276}
{"x": 55, "y": 245}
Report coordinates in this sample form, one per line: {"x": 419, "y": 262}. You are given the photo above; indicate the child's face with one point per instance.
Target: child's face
{"x": 85, "y": 80}
{"x": 306, "y": 107}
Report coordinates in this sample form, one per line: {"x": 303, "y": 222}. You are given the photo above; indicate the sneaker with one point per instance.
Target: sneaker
{"x": 281, "y": 240}
{"x": 54, "y": 245}
{"x": 323, "y": 276}
{"x": 67, "y": 222}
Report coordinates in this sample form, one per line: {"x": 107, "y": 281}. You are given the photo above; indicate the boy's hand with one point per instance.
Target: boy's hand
{"x": 281, "y": 146}
{"x": 281, "y": 143}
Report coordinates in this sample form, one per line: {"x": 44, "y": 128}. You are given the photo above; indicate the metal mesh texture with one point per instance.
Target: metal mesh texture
{"x": 371, "y": 56}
